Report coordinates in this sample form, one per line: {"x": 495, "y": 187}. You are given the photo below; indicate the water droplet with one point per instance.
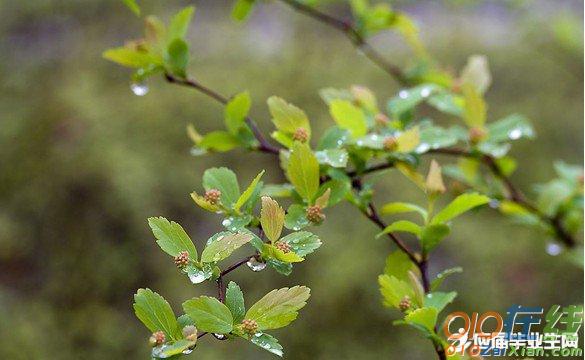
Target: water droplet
{"x": 425, "y": 92}
{"x": 403, "y": 94}
{"x": 430, "y": 296}
{"x": 422, "y": 148}
{"x": 256, "y": 265}
{"x": 360, "y": 143}
{"x": 494, "y": 204}
{"x": 197, "y": 277}
{"x": 139, "y": 89}
{"x": 515, "y": 134}
{"x": 188, "y": 350}
{"x": 553, "y": 249}
{"x": 220, "y": 336}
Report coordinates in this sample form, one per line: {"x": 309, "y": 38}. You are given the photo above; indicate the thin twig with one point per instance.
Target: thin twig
{"x": 236, "y": 265}
{"x": 354, "y": 35}
{"x": 265, "y": 145}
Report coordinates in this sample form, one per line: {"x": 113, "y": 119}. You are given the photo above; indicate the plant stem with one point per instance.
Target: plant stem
{"x": 264, "y": 146}
{"x": 355, "y": 37}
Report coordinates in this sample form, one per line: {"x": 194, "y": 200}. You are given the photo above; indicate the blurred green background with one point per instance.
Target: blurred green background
{"x": 84, "y": 162}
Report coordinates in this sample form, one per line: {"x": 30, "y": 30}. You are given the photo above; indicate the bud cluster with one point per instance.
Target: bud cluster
{"x": 249, "y": 326}
{"x": 182, "y": 259}
{"x": 301, "y": 134}
{"x": 282, "y": 246}
{"x": 157, "y": 338}
{"x": 212, "y": 196}
{"x": 315, "y": 214}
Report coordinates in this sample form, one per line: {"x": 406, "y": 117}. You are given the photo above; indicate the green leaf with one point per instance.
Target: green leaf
{"x": 209, "y": 314}
{"x": 511, "y": 127}
{"x": 427, "y": 317}
{"x": 180, "y": 23}
{"x": 444, "y": 274}
{"x": 234, "y": 300}
{"x": 303, "y": 171}
{"x": 271, "y": 251}
{"x": 279, "y": 307}
{"x": 477, "y": 73}
{"x": 460, "y": 205}
{"x": 133, "y": 6}
{"x": 401, "y": 225}
{"x": 286, "y": 117}
{"x": 271, "y": 218}
{"x": 302, "y": 242}
{"x": 398, "y": 264}
{"x": 248, "y": 192}
{"x": 339, "y": 188}
{"x": 177, "y": 57}
{"x": 433, "y": 137}
{"x": 267, "y": 342}
{"x": 295, "y": 218}
{"x": 224, "y": 180}
{"x": 224, "y": 246}
{"x": 171, "y": 237}
{"x": 394, "y": 290}
{"x": 156, "y": 313}
{"x": 242, "y": 9}
{"x": 409, "y": 140}
{"x": 349, "y": 117}
{"x": 277, "y": 190}
{"x": 448, "y": 103}
{"x": 332, "y": 157}
{"x": 280, "y": 267}
{"x": 130, "y": 57}
{"x": 172, "y": 348}
{"x": 333, "y": 138}
{"x": 408, "y": 99}
{"x": 475, "y": 107}
{"x": 439, "y": 300}
{"x": 220, "y": 141}
{"x": 432, "y": 235}
{"x": 236, "y": 111}
{"x": 402, "y": 207}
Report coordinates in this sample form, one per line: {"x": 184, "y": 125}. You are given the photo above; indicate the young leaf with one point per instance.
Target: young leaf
{"x": 408, "y": 140}
{"x": 279, "y": 307}
{"x": 203, "y": 203}
{"x": 267, "y": 342}
{"x": 477, "y": 73}
{"x": 398, "y": 264}
{"x": 402, "y": 207}
{"x": 209, "y": 314}
{"x": 439, "y": 300}
{"x": 434, "y": 183}
{"x": 461, "y": 204}
{"x": 441, "y": 277}
{"x": 302, "y": 242}
{"x": 286, "y": 117}
{"x": 271, "y": 251}
{"x": 511, "y": 127}
{"x": 236, "y": 111}
{"x": 242, "y": 9}
{"x": 180, "y": 23}
{"x": 172, "y": 348}
{"x": 394, "y": 290}
{"x": 133, "y": 6}
{"x": 218, "y": 140}
{"x": 224, "y": 180}
{"x": 130, "y": 57}
{"x": 401, "y": 225}
{"x": 177, "y": 57}
{"x": 156, "y": 313}
{"x": 224, "y": 246}
{"x": 271, "y": 218}
{"x": 427, "y": 317}
{"x": 475, "y": 107}
{"x": 432, "y": 235}
{"x": 303, "y": 171}
{"x": 248, "y": 192}
{"x": 349, "y": 117}
{"x": 323, "y": 200}
{"x": 171, "y": 237}
{"x": 234, "y": 300}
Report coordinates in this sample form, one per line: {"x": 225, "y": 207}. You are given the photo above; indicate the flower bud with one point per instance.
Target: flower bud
{"x": 381, "y": 119}
{"x": 301, "y": 134}
{"x": 212, "y": 196}
{"x": 405, "y": 304}
{"x": 157, "y": 338}
{"x": 390, "y": 143}
{"x": 182, "y": 259}
{"x": 315, "y": 214}
{"x": 282, "y": 246}
{"x": 190, "y": 332}
{"x": 476, "y": 135}
{"x": 249, "y": 326}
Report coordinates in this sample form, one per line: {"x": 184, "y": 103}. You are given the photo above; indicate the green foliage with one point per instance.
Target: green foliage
{"x": 156, "y": 313}
{"x": 209, "y": 314}
{"x": 303, "y": 171}
{"x": 278, "y": 308}
{"x": 171, "y": 237}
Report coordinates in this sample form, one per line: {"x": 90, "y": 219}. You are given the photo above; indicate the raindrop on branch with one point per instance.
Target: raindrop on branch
{"x": 139, "y": 89}
{"x": 255, "y": 265}
{"x": 553, "y": 249}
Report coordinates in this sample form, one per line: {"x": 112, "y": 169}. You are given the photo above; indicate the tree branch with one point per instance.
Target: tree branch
{"x": 265, "y": 145}
{"x": 354, "y": 36}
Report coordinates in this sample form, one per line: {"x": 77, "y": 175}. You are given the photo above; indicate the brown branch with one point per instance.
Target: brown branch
{"x": 264, "y": 146}
{"x": 354, "y": 36}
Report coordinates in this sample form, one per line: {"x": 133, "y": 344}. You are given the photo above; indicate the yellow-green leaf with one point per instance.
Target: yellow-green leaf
{"x": 279, "y": 307}
{"x": 349, "y": 117}
{"x": 303, "y": 171}
{"x": 475, "y": 107}
{"x": 408, "y": 140}
{"x": 224, "y": 246}
{"x": 461, "y": 204}
{"x": 129, "y": 57}
{"x": 248, "y": 192}
{"x": 434, "y": 183}
{"x": 156, "y": 313}
{"x": 271, "y": 218}
{"x": 287, "y": 117}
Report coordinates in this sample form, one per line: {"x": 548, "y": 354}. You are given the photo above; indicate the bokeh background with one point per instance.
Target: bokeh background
{"x": 84, "y": 162}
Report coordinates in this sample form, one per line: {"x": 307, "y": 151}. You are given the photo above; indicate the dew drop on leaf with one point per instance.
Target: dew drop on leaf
{"x": 219, "y": 336}
{"x": 256, "y": 265}
{"x": 139, "y": 89}
{"x": 515, "y": 134}
{"x": 553, "y": 249}
{"x": 403, "y": 94}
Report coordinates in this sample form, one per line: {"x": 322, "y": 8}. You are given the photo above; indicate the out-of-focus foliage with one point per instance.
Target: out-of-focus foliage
{"x": 84, "y": 162}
